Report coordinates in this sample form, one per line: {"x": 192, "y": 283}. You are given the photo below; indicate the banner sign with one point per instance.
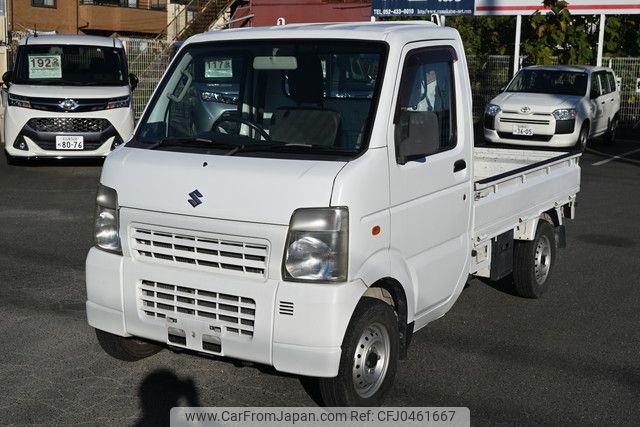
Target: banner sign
{"x": 422, "y": 7}
{"x": 576, "y": 7}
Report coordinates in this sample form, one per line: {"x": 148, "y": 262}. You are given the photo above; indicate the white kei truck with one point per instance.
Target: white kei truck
{"x": 309, "y": 196}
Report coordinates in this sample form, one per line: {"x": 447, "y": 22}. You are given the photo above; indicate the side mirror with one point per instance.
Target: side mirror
{"x": 133, "y": 81}
{"x": 417, "y": 135}
{"x": 7, "y": 77}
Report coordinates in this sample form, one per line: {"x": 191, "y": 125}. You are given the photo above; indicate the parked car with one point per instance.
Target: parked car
{"x": 68, "y": 96}
{"x": 320, "y": 232}
{"x": 555, "y": 106}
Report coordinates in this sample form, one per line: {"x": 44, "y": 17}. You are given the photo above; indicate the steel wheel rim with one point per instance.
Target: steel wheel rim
{"x": 542, "y": 262}
{"x": 371, "y": 360}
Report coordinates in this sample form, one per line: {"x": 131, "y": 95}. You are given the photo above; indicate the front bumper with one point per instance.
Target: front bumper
{"x": 547, "y": 132}
{"x": 42, "y": 143}
{"x": 297, "y": 327}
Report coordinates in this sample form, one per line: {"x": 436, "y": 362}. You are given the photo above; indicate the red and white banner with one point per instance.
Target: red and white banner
{"x": 577, "y": 7}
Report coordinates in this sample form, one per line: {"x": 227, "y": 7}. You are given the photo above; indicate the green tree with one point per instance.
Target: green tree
{"x": 555, "y": 33}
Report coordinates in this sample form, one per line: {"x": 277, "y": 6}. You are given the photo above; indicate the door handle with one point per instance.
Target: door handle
{"x": 459, "y": 166}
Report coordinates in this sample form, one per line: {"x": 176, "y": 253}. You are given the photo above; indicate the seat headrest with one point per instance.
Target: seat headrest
{"x": 306, "y": 84}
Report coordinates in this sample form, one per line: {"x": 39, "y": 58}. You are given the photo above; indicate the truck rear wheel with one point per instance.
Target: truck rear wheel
{"x": 127, "y": 349}
{"x": 369, "y": 357}
{"x": 533, "y": 261}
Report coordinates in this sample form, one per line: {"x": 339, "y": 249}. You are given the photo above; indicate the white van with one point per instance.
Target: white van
{"x": 68, "y": 96}
{"x": 555, "y": 106}
{"x": 333, "y": 208}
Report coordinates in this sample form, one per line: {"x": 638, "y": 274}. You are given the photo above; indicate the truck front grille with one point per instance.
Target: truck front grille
{"x": 231, "y": 255}
{"x": 230, "y": 314}
{"x": 68, "y": 125}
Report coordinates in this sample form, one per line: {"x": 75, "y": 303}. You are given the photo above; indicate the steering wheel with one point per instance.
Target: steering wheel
{"x": 263, "y": 133}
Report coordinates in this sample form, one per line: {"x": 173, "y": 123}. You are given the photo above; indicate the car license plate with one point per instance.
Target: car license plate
{"x": 68, "y": 142}
{"x": 522, "y": 130}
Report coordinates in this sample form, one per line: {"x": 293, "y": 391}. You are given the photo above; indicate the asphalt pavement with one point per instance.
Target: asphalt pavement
{"x": 570, "y": 358}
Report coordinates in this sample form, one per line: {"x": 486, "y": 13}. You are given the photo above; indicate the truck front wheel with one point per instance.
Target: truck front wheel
{"x": 533, "y": 261}
{"x": 369, "y": 357}
{"x": 127, "y": 349}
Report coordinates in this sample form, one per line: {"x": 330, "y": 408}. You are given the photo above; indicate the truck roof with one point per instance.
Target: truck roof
{"x": 401, "y": 31}
{"x": 72, "y": 40}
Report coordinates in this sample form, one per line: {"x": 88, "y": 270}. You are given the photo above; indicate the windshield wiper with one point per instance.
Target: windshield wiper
{"x": 249, "y": 148}
{"x": 165, "y": 142}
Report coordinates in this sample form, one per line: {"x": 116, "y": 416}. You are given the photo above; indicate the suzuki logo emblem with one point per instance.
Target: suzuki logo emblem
{"x": 68, "y": 104}
{"x": 525, "y": 110}
{"x": 194, "y": 198}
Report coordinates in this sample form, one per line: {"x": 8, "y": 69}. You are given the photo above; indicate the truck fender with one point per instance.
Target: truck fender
{"x": 389, "y": 264}
{"x": 526, "y": 229}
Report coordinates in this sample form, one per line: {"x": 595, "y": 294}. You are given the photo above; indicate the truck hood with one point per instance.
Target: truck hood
{"x": 538, "y": 102}
{"x": 44, "y": 91}
{"x": 233, "y": 188}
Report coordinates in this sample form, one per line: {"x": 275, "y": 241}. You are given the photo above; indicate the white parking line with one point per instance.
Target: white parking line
{"x": 612, "y": 158}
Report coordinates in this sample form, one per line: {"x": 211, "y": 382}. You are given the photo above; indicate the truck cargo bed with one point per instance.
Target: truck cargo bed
{"x": 511, "y": 186}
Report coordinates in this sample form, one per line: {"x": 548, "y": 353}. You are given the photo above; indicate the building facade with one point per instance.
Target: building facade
{"x": 95, "y": 17}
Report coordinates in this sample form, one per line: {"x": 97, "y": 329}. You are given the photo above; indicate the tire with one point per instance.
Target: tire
{"x": 373, "y": 338}
{"x": 127, "y": 349}
{"x": 583, "y": 138}
{"x": 610, "y": 137}
{"x": 533, "y": 262}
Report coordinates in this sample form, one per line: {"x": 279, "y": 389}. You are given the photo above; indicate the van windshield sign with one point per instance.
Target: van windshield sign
{"x": 422, "y": 7}
{"x": 45, "y": 67}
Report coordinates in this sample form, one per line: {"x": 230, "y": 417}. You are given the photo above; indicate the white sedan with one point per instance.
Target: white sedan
{"x": 555, "y": 106}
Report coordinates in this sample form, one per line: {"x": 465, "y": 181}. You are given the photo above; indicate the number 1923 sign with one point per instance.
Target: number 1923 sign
{"x": 422, "y": 7}
{"x": 45, "y": 67}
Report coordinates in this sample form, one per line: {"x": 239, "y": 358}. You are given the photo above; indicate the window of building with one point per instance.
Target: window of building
{"x": 43, "y": 3}
{"x": 427, "y": 90}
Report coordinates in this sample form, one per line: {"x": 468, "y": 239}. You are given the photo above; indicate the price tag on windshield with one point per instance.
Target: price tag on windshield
{"x": 45, "y": 67}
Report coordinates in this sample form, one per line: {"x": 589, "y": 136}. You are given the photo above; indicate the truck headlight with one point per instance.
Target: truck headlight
{"x": 121, "y": 102}
{"x": 317, "y": 246}
{"x": 106, "y": 235}
{"x": 564, "y": 114}
{"x": 492, "y": 110}
{"x": 19, "y": 101}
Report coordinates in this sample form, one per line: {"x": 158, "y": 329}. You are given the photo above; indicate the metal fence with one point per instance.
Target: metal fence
{"x": 148, "y": 59}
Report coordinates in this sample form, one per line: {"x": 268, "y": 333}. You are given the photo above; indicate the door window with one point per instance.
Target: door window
{"x": 427, "y": 96}
{"x": 595, "y": 86}
{"x": 612, "y": 82}
{"x": 604, "y": 83}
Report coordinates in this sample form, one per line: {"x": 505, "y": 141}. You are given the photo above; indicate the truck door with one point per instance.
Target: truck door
{"x": 430, "y": 203}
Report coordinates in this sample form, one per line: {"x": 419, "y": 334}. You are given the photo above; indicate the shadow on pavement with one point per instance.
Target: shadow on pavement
{"x": 160, "y": 391}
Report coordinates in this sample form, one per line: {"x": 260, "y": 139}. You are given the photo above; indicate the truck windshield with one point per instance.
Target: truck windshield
{"x": 550, "y": 82}
{"x": 277, "y": 97}
{"x": 70, "y": 65}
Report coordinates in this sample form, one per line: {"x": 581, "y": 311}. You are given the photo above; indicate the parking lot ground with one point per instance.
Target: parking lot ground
{"x": 570, "y": 358}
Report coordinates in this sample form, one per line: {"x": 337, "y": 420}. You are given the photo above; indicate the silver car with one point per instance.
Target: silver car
{"x": 555, "y": 106}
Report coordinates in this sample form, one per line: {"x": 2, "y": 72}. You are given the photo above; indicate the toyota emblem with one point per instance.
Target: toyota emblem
{"x": 525, "y": 110}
